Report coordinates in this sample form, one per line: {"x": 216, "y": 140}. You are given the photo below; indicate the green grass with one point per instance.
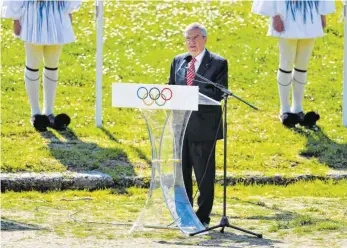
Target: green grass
{"x": 281, "y": 213}
{"x": 141, "y": 51}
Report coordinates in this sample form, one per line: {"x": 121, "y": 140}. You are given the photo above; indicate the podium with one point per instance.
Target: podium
{"x": 166, "y": 110}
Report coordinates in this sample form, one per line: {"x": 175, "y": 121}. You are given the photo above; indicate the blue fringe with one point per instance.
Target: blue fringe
{"x": 46, "y": 4}
{"x": 304, "y": 6}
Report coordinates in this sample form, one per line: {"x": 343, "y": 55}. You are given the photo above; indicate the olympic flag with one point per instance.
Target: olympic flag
{"x": 154, "y": 96}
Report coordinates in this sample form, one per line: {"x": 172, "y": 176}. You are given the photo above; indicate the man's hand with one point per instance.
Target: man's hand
{"x": 278, "y": 23}
{"x": 16, "y": 27}
{"x": 324, "y": 21}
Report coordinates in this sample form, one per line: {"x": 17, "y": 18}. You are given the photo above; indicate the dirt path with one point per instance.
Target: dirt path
{"x": 20, "y": 239}
{"x": 38, "y": 239}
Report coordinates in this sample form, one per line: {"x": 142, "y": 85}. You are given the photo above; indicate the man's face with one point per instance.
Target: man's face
{"x": 195, "y": 42}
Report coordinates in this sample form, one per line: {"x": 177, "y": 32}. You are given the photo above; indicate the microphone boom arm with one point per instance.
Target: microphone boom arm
{"x": 221, "y": 88}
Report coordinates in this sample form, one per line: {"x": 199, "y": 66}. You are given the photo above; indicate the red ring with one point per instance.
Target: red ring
{"x": 163, "y": 96}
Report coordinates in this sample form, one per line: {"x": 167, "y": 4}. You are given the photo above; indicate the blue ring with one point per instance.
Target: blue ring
{"x": 142, "y": 98}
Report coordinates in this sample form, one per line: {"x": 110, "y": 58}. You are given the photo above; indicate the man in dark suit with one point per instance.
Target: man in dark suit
{"x": 204, "y": 126}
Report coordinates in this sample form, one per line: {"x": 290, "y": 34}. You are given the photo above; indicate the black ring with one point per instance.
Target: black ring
{"x": 157, "y": 96}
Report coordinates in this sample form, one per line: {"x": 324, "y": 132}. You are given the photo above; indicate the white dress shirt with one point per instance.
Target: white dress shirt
{"x": 198, "y": 60}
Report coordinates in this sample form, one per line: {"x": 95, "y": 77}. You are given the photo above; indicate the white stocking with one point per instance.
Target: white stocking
{"x": 32, "y": 86}
{"x": 50, "y": 81}
{"x": 299, "y": 81}
{"x": 284, "y": 79}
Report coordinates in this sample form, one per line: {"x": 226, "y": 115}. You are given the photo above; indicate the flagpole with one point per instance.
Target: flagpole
{"x": 99, "y": 61}
{"x": 344, "y": 107}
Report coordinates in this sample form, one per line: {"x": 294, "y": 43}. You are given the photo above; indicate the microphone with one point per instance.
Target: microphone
{"x": 186, "y": 68}
{"x": 186, "y": 60}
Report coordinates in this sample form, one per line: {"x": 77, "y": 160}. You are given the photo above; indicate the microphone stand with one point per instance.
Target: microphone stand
{"x": 225, "y": 221}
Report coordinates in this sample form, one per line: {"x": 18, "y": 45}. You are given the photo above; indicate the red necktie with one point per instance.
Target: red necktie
{"x": 191, "y": 72}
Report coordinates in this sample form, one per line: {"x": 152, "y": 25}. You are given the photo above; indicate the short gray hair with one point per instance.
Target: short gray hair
{"x": 193, "y": 26}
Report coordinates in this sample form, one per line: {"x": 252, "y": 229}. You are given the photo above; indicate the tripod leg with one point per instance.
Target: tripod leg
{"x": 222, "y": 230}
{"x": 206, "y": 230}
{"x": 246, "y": 231}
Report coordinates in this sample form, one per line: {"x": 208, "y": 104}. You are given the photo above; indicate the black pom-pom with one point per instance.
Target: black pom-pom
{"x": 310, "y": 119}
{"x": 61, "y": 122}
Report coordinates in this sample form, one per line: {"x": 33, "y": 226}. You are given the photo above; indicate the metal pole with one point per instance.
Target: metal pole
{"x": 344, "y": 104}
{"x": 225, "y": 156}
{"x": 99, "y": 60}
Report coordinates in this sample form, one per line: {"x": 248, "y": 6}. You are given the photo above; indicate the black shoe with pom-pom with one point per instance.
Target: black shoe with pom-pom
{"x": 59, "y": 122}
{"x": 40, "y": 122}
{"x": 309, "y": 119}
{"x": 289, "y": 119}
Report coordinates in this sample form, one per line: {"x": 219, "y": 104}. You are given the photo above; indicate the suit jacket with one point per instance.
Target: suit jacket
{"x": 203, "y": 124}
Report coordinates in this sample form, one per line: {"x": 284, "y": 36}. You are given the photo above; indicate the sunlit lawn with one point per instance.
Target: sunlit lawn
{"x": 141, "y": 38}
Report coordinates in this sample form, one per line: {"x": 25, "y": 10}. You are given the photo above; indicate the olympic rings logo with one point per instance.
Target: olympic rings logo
{"x": 154, "y": 95}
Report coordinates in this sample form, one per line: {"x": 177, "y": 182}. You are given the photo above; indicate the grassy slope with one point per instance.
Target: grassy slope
{"x": 302, "y": 214}
{"x": 140, "y": 41}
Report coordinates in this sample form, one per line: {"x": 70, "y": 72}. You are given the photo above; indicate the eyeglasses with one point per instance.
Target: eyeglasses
{"x": 195, "y": 38}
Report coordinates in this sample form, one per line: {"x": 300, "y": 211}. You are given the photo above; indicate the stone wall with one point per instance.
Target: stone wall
{"x": 96, "y": 180}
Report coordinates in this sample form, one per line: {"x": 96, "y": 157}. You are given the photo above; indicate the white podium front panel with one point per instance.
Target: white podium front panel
{"x": 153, "y": 96}
{"x": 166, "y": 109}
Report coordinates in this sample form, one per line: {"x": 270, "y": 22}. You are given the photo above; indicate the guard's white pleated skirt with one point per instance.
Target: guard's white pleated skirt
{"x": 301, "y": 18}
{"x": 43, "y": 22}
